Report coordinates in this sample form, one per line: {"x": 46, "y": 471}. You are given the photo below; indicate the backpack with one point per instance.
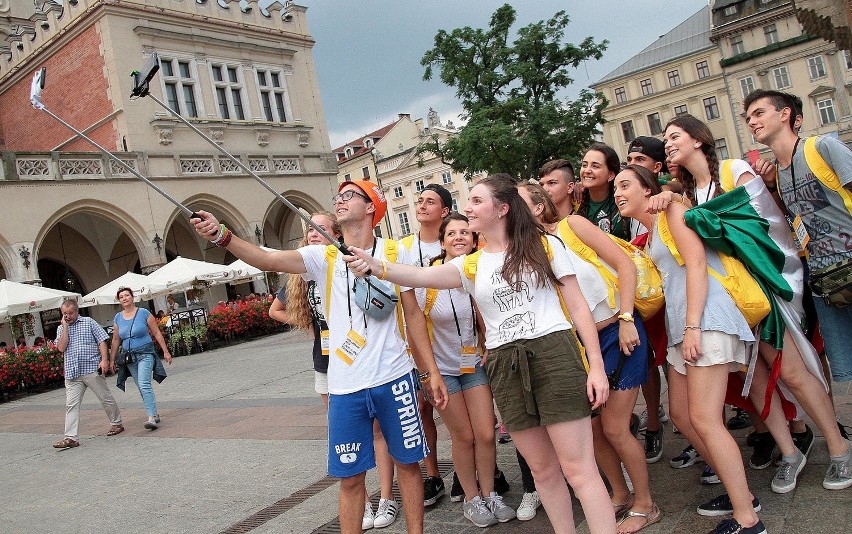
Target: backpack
{"x": 737, "y": 281}
{"x": 825, "y": 173}
{"x": 391, "y": 252}
{"x": 470, "y": 262}
{"x": 649, "y": 297}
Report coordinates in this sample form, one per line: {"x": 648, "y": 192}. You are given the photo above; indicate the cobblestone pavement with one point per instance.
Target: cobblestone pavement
{"x": 241, "y": 448}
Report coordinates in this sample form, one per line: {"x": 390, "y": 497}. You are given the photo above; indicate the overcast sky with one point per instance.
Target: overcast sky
{"x": 367, "y": 53}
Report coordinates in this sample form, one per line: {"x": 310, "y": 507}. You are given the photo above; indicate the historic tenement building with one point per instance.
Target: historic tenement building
{"x": 389, "y": 157}
{"x": 241, "y": 71}
{"x": 706, "y": 65}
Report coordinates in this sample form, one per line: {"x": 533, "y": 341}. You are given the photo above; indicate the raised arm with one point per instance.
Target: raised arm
{"x": 691, "y": 249}
{"x": 443, "y": 276}
{"x": 286, "y": 261}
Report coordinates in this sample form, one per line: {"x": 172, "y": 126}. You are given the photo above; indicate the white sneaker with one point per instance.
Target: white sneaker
{"x": 367, "y": 522}
{"x": 386, "y": 513}
{"x": 529, "y": 504}
{"x": 643, "y": 418}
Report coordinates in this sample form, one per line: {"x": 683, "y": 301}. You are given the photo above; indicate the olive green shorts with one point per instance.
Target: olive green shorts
{"x": 538, "y": 382}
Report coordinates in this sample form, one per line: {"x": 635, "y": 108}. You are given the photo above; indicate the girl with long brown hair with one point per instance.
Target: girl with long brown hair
{"x": 533, "y": 360}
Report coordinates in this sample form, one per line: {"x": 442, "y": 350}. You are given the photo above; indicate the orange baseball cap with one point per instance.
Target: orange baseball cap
{"x": 377, "y": 197}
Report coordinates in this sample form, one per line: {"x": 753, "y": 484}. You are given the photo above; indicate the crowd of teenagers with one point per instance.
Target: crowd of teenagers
{"x": 549, "y": 303}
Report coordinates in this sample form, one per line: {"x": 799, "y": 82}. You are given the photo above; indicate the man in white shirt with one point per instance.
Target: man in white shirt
{"x": 369, "y": 373}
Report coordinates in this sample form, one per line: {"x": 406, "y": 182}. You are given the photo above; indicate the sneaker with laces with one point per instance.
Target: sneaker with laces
{"x": 501, "y": 485}
{"x": 502, "y": 512}
{"x": 709, "y": 477}
{"x": 804, "y": 440}
{"x": 478, "y": 513}
{"x": 386, "y": 513}
{"x": 739, "y": 420}
{"x": 688, "y": 457}
{"x": 731, "y": 526}
{"x": 721, "y": 505}
{"x": 456, "y": 490}
{"x": 367, "y": 522}
{"x": 764, "y": 451}
{"x": 643, "y": 418}
{"x": 433, "y": 489}
{"x": 784, "y": 480}
{"x": 839, "y": 474}
{"x": 529, "y": 504}
{"x": 653, "y": 446}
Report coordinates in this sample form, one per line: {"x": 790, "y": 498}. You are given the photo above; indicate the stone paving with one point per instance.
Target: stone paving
{"x": 243, "y": 430}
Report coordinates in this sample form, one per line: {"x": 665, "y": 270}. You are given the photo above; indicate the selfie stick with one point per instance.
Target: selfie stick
{"x": 35, "y": 100}
{"x": 141, "y": 89}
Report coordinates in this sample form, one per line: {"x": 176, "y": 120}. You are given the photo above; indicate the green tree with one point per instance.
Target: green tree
{"x": 516, "y": 120}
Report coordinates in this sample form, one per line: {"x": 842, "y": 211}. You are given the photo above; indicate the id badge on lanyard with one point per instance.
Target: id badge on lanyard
{"x": 324, "y": 342}
{"x": 351, "y": 348}
{"x": 469, "y": 355}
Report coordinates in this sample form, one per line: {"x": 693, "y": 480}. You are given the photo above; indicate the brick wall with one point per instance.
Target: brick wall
{"x": 76, "y": 91}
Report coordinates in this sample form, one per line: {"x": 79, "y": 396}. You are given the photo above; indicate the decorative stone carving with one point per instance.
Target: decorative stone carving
{"x": 33, "y": 167}
{"x": 218, "y": 135}
{"x": 80, "y": 167}
{"x": 196, "y": 165}
{"x": 286, "y": 165}
{"x": 303, "y": 139}
{"x": 262, "y": 137}
{"x": 432, "y": 118}
{"x": 117, "y": 170}
{"x": 164, "y": 134}
{"x": 228, "y": 166}
{"x": 259, "y": 164}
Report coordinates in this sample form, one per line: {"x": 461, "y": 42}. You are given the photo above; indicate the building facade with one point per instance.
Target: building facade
{"x": 707, "y": 64}
{"x": 389, "y": 157}
{"x": 242, "y": 72}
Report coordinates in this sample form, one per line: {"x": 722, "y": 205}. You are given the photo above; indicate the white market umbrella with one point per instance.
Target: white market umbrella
{"x": 245, "y": 272}
{"x": 106, "y": 293}
{"x": 180, "y": 273}
{"x": 17, "y": 298}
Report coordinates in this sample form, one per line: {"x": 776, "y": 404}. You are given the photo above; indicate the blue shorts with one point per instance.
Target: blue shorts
{"x": 635, "y": 370}
{"x": 465, "y": 381}
{"x": 350, "y": 427}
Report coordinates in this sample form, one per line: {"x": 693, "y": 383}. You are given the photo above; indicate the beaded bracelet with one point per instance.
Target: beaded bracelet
{"x": 227, "y": 239}
{"x": 224, "y": 237}
{"x": 691, "y": 327}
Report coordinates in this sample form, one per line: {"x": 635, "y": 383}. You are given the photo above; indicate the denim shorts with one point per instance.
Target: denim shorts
{"x": 465, "y": 381}
{"x": 635, "y": 370}
{"x": 835, "y": 325}
{"x": 538, "y": 382}
{"x": 350, "y": 427}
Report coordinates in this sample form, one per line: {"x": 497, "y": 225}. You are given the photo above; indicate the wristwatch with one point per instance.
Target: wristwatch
{"x": 626, "y": 316}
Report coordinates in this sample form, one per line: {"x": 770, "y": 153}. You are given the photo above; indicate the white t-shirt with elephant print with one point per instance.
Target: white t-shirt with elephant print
{"x": 509, "y": 315}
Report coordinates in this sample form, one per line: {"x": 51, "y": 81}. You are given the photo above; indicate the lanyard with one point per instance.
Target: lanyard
{"x": 792, "y": 167}
{"x": 456, "y": 317}
{"x": 349, "y": 299}
{"x": 420, "y": 249}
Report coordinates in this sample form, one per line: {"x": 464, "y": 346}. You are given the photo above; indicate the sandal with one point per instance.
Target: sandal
{"x": 654, "y": 516}
{"x": 621, "y": 509}
{"x": 66, "y": 443}
{"x": 115, "y": 429}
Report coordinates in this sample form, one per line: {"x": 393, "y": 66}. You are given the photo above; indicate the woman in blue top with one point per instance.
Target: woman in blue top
{"x": 135, "y": 330}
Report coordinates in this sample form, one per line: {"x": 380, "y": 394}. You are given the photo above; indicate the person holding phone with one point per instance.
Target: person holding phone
{"x": 83, "y": 344}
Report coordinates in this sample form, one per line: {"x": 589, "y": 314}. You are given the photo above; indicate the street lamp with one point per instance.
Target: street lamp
{"x": 376, "y": 155}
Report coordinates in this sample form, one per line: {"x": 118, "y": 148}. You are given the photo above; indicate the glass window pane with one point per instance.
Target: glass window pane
{"x": 223, "y": 103}
{"x": 189, "y": 100}
{"x": 276, "y": 82}
{"x": 238, "y": 104}
{"x": 168, "y": 68}
{"x": 184, "y": 69}
{"x": 172, "y": 98}
{"x": 261, "y": 78}
{"x": 232, "y": 74}
{"x": 279, "y": 104}
{"x": 267, "y": 106}
{"x": 217, "y": 73}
